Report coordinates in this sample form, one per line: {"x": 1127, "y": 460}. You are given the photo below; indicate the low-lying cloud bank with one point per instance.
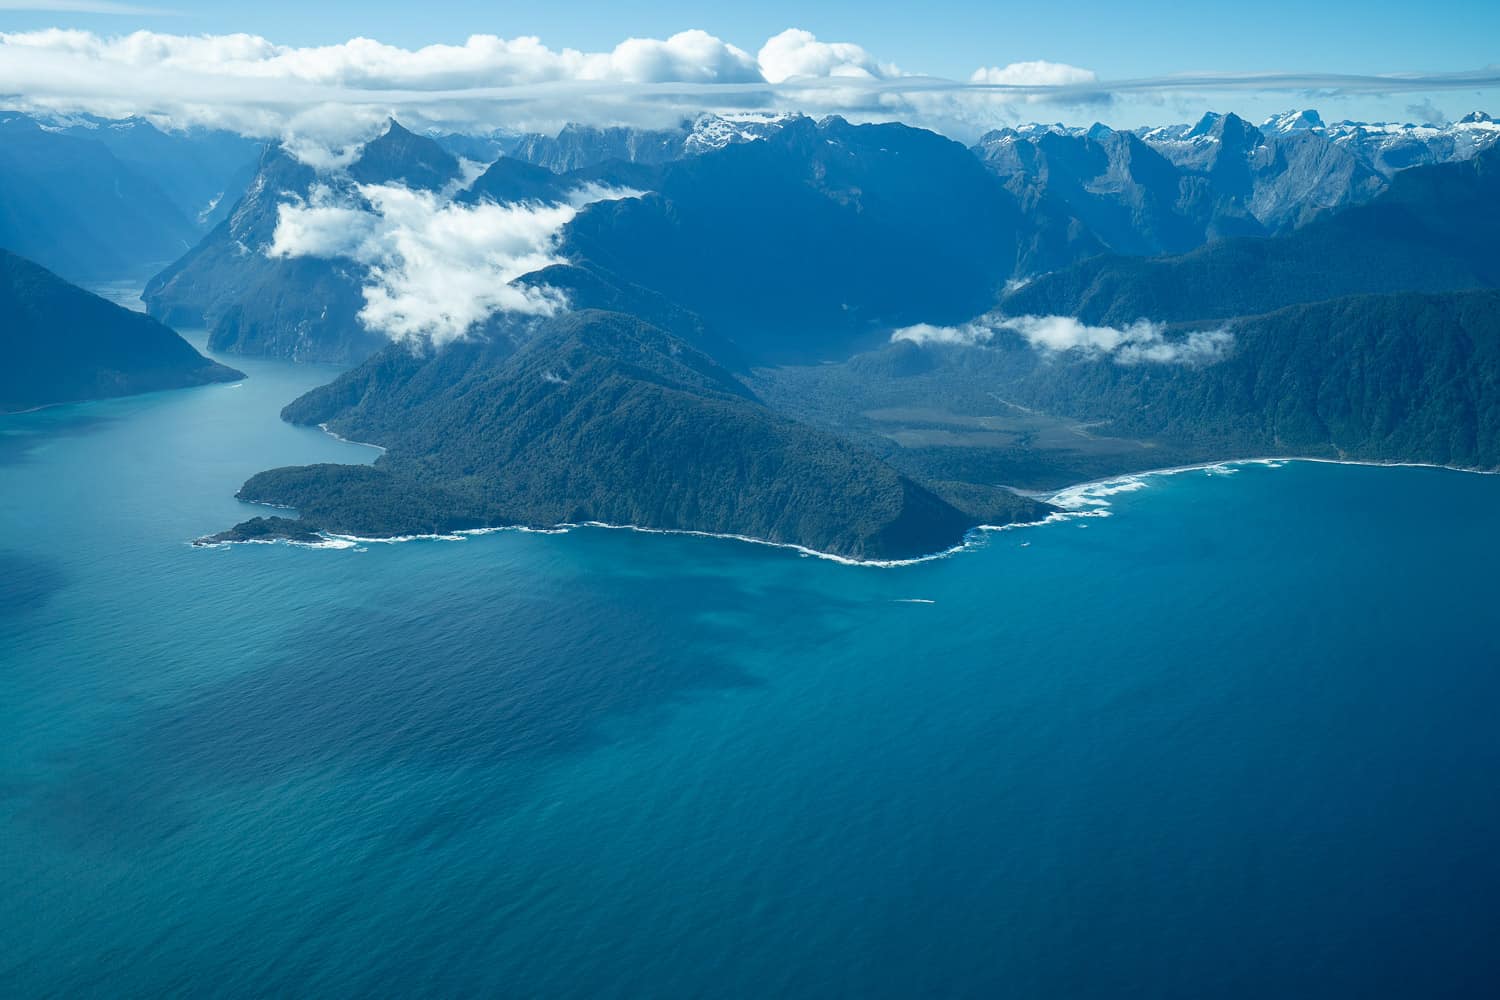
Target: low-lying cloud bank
{"x": 340, "y": 93}
{"x": 435, "y": 269}
{"x": 337, "y": 94}
{"x": 1142, "y": 342}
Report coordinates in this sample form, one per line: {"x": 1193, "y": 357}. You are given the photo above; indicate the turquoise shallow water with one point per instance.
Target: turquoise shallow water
{"x": 1237, "y": 739}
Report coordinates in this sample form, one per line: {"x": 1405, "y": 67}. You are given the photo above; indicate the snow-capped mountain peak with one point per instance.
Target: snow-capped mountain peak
{"x": 1291, "y": 121}
{"x": 710, "y": 132}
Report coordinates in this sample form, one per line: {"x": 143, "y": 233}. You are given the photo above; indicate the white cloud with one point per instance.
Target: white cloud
{"x": 326, "y": 225}
{"x": 435, "y": 269}
{"x": 1142, "y": 342}
{"x": 1063, "y": 333}
{"x": 334, "y": 95}
{"x": 923, "y": 334}
{"x": 1200, "y": 347}
{"x": 1037, "y": 73}
{"x": 797, "y": 54}
{"x": 338, "y": 93}
{"x": 482, "y": 61}
{"x": 688, "y": 55}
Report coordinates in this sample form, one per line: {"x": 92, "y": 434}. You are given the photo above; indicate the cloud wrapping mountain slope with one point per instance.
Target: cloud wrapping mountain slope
{"x": 303, "y": 307}
{"x": 68, "y": 203}
{"x": 1404, "y": 377}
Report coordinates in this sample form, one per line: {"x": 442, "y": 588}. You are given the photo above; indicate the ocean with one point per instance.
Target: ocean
{"x": 1238, "y": 738}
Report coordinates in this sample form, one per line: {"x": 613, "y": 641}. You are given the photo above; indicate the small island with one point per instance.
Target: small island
{"x": 266, "y": 529}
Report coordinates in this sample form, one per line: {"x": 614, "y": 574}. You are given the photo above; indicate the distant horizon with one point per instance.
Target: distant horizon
{"x": 125, "y": 60}
{"x": 688, "y": 118}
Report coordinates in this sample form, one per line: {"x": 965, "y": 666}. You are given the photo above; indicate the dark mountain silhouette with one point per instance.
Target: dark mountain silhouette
{"x": 62, "y": 344}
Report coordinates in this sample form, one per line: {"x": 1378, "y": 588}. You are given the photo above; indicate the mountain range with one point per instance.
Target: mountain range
{"x": 578, "y": 147}
{"x": 855, "y": 338}
{"x": 1170, "y": 189}
{"x": 1420, "y": 234}
{"x": 93, "y": 199}
{"x": 822, "y": 234}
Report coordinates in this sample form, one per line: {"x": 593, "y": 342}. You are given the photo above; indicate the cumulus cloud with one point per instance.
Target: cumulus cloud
{"x": 795, "y": 54}
{"x": 435, "y": 269}
{"x": 338, "y": 94}
{"x": 688, "y": 55}
{"x": 483, "y": 60}
{"x": 1142, "y": 342}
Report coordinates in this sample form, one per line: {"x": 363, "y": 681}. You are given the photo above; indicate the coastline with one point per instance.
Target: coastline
{"x": 1228, "y": 465}
{"x": 1080, "y": 500}
{"x": 339, "y": 437}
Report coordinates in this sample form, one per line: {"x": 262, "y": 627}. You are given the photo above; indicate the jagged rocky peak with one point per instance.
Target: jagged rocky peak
{"x": 1476, "y": 118}
{"x": 710, "y": 131}
{"x": 400, "y": 155}
{"x": 1031, "y": 131}
{"x": 1205, "y": 126}
{"x": 579, "y": 146}
{"x": 1233, "y": 123}
{"x": 1294, "y": 121}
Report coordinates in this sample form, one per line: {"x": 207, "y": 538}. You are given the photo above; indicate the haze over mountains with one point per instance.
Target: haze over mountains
{"x": 848, "y": 337}
{"x": 94, "y": 199}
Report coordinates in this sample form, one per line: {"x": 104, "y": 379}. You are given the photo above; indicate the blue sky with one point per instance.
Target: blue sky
{"x": 1106, "y": 43}
{"x": 942, "y": 37}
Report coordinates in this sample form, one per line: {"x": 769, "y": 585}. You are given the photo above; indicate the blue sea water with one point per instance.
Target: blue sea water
{"x": 1241, "y": 738}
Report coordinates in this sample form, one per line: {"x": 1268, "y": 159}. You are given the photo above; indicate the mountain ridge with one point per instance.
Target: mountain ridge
{"x": 62, "y": 344}
{"x": 1418, "y": 236}
{"x": 597, "y": 417}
